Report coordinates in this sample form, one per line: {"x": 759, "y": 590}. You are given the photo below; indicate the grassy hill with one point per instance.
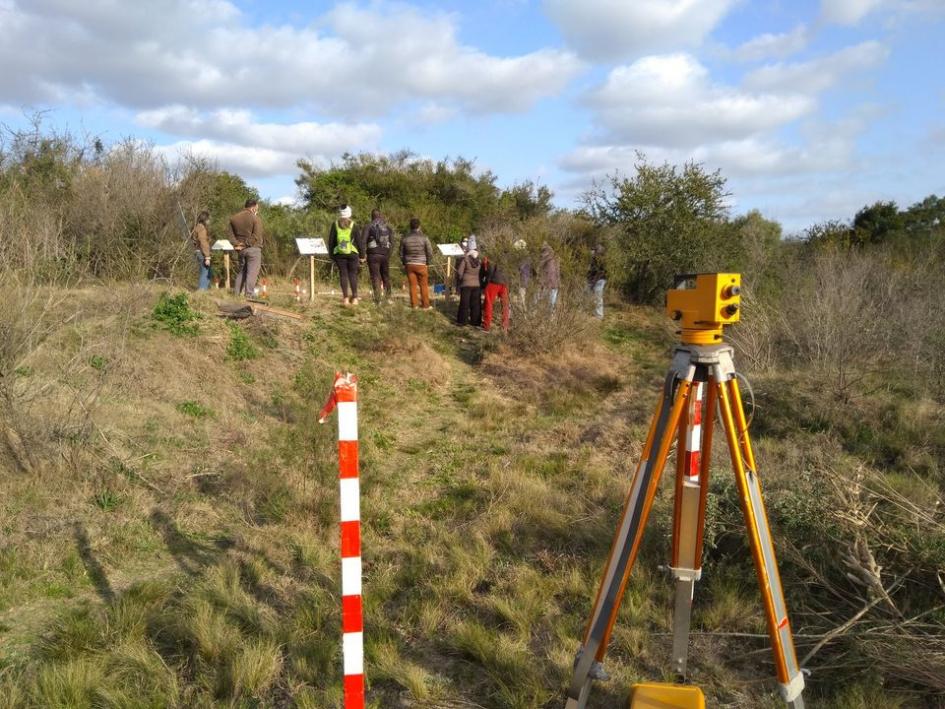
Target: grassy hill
{"x": 169, "y": 515}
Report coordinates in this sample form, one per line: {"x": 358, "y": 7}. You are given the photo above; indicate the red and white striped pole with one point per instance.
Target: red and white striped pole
{"x": 344, "y": 394}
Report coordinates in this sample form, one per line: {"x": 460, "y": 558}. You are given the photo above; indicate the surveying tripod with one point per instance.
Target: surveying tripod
{"x": 701, "y": 378}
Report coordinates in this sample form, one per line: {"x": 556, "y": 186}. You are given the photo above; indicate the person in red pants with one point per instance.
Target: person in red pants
{"x": 496, "y": 286}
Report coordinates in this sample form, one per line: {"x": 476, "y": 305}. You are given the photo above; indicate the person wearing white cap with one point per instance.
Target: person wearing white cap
{"x": 343, "y": 245}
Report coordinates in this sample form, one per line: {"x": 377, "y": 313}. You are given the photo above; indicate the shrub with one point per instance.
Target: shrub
{"x": 241, "y": 347}
{"x": 174, "y": 314}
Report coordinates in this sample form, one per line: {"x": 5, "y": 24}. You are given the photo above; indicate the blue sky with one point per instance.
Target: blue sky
{"x": 811, "y": 109}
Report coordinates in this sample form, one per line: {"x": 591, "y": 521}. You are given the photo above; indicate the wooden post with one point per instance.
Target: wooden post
{"x": 311, "y": 279}
{"x": 226, "y": 266}
{"x": 449, "y": 281}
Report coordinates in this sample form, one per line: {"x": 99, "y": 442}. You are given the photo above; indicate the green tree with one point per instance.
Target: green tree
{"x": 666, "y": 220}
{"x": 449, "y": 196}
{"x": 876, "y": 223}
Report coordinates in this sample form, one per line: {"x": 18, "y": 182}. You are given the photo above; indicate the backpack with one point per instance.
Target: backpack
{"x": 380, "y": 235}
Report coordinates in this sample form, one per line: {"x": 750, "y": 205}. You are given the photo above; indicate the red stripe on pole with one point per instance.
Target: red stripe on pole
{"x": 350, "y": 539}
{"x": 354, "y": 691}
{"x": 346, "y": 390}
{"x": 697, "y": 410}
{"x": 693, "y": 460}
{"x": 351, "y": 614}
{"x": 783, "y": 623}
{"x": 348, "y": 459}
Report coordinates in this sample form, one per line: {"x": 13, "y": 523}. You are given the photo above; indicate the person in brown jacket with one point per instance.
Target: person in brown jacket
{"x": 247, "y": 230}
{"x": 416, "y": 253}
{"x": 201, "y": 239}
{"x": 467, "y": 278}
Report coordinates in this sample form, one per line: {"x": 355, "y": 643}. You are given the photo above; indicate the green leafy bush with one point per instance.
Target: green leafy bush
{"x": 174, "y": 314}
{"x": 241, "y": 347}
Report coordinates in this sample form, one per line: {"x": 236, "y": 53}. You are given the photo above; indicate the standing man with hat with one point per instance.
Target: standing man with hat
{"x": 247, "y": 230}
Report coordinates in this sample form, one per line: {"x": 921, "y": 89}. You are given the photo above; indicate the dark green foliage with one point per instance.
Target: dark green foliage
{"x": 174, "y": 314}
{"x": 665, "y": 220}
{"x": 450, "y": 197}
{"x": 240, "y": 348}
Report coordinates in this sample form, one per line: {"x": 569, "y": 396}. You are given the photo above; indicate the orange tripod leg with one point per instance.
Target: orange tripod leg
{"x": 762, "y": 547}
{"x": 626, "y": 543}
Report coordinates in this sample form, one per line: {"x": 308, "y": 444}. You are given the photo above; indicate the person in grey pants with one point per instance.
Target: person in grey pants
{"x": 246, "y": 227}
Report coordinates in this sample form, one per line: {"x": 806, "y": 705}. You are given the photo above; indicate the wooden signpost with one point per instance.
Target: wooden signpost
{"x": 311, "y": 247}
{"x": 449, "y": 250}
{"x": 226, "y": 247}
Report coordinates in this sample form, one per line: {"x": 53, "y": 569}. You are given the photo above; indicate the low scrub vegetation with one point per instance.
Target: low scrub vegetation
{"x": 170, "y": 501}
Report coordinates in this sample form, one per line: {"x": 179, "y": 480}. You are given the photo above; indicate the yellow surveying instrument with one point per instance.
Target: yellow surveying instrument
{"x": 701, "y": 379}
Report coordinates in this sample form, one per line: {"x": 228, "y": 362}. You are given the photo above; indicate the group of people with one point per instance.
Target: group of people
{"x": 480, "y": 279}
{"x": 350, "y": 247}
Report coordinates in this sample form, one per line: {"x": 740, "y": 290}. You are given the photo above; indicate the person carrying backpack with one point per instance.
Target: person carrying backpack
{"x": 380, "y": 242}
{"x": 467, "y": 279}
{"x": 343, "y": 245}
{"x": 497, "y": 286}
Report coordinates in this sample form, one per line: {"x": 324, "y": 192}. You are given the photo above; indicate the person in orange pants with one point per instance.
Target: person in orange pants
{"x": 416, "y": 254}
{"x": 496, "y": 286}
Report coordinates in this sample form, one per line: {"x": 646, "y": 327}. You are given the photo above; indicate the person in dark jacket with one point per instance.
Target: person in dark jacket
{"x": 597, "y": 279}
{"x": 247, "y": 230}
{"x": 464, "y": 245}
{"x": 496, "y": 286}
{"x": 201, "y": 240}
{"x": 345, "y": 247}
{"x": 379, "y": 238}
{"x": 470, "y": 294}
{"x": 416, "y": 254}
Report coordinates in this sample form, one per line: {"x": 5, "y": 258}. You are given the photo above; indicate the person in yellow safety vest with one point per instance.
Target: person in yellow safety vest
{"x": 345, "y": 244}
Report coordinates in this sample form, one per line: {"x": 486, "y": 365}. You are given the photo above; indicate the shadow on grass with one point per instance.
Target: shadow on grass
{"x": 93, "y": 568}
{"x": 191, "y": 556}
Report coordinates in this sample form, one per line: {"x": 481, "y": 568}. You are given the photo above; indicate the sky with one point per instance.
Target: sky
{"x": 810, "y": 108}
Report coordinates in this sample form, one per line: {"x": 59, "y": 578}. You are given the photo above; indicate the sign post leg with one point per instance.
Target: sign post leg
{"x": 311, "y": 279}
{"x": 226, "y": 266}
{"x": 449, "y": 280}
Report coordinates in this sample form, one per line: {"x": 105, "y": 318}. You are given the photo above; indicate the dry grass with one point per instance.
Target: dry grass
{"x": 193, "y": 559}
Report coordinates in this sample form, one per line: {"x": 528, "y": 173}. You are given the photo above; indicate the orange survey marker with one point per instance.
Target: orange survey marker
{"x": 344, "y": 396}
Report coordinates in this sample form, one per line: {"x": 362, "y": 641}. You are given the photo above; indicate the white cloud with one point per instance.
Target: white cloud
{"x": 818, "y": 74}
{"x": 357, "y": 61}
{"x": 847, "y": 12}
{"x": 244, "y": 160}
{"x": 432, "y": 113}
{"x": 239, "y": 128}
{"x": 617, "y": 29}
{"x": 670, "y": 101}
{"x": 770, "y": 45}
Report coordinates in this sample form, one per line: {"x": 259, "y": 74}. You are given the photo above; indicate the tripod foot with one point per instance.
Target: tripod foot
{"x": 596, "y": 672}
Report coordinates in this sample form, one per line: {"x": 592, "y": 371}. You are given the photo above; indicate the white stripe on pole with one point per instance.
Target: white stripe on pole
{"x": 347, "y": 421}
{"x": 351, "y": 576}
{"x": 353, "y": 649}
{"x": 694, "y": 437}
{"x": 350, "y": 499}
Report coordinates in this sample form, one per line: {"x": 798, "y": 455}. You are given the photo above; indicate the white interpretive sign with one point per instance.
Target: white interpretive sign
{"x": 450, "y": 249}
{"x": 311, "y": 247}
{"x": 222, "y": 245}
